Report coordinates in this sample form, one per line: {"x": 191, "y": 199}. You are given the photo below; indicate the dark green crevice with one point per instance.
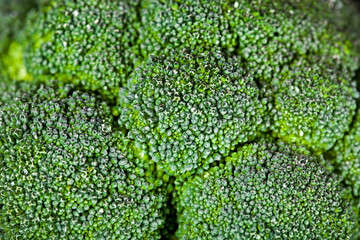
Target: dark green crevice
{"x": 243, "y": 63}
{"x": 357, "y": 79}
{"x": 171, "y": 224}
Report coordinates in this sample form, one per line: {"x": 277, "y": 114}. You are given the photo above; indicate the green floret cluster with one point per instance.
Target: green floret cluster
{"x": 273, "y": 50}
{"x": 304, "y": 64}
{"x": 268, "y": 43}
{"x": 263, "y": 191}
{"x": 347, "y": 153}
{"x": 191, "y": 108}
{"x": 12, "y": 14}
{"x": 179, "y": 119}
{"x": 345, "y": 156}
{"x": 187, "y": 24}
{"x": 312, "y": 106}
{"x": 88, "y": 43}
{"x": 67, "y": 174}
{"x": 97, "y": 46}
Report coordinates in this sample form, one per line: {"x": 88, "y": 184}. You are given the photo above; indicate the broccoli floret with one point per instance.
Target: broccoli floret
{"x": 185, "y": 24}
{"x": 268, "y": 35}
{"x": 271, "y": 40}
{"x": 312, "y": 106}
{"x": 304, "y": 63}
{"x": 345, "y": 157}
{"x": 220, "y": 133}
{"x": 92, "y": 44}
{"x": 263, "y": 191}
{"x": 277, "y": 42}
{"x": 275, "y": 34}
{"x": 12, "y": 14}
{"x": 68, "y": 173}
{"x": 9, "y": 87}
{"x": 191, "y": 108}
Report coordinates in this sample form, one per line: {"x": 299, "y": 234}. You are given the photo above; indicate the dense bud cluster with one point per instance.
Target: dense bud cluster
{"x": 267, "y": 43}
{"x": 263, "y": 191}
{"x": 88, "y": 43}
{"x": 191, "y": 108}
{"x": 179, "y": 119}
{"x": 303, "y": 64}
{"x": 187, "y": 24}
{"x": 66, "y": 174}
{"x": 279, "y": 43}
{"x": 11, "y": 15}
{"x": 312, "y": 106}
{"x": 346, "y": 158}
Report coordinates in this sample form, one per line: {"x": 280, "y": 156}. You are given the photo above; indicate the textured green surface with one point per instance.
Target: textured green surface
{"x": 66, "y": 174}
{"x": 312, "y": 106}
{"x": 305, "y": 66}
{"x": 191, "y": 108}
{"x": 92, "y": 44}
{"x": 162, "y": 119}
{"x": 263, "y": 191}
{"x": 278, "y": 42}
{"x": 346, "y": 158}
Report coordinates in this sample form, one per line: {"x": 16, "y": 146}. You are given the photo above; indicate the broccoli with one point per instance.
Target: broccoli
{"x": 278, "y": 42}
{"x": 345, "y": 156}
{"x": 263, "y": 191}
{"x": 186, "y": 24}
{"x": 88, "y": 43}
{"x": 191, "y": 108}
{"x": 305, "y": 64}
{"x": 66, "y": 174}
{"x": 312, "y": 106}
{"x": 279, "y": 31}
{"x": 100, "y": 54}
{"x": 179, "y": 119}
{"x": 268, "y": 47}
{"x": 12, "y": 13}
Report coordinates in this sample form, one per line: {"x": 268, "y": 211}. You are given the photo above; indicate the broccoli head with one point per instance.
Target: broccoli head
{"x": 12, "y": 13}
{"x": 66, "y": 173}
{"x": 263, "y": 191}
{"x": 190, "y": 108}
{"x": 275, "y": 34}
{"x": 302, "y": 44}
{"x": 180, "y": 119}
{"x": 91, "y": 44}
{"x": 97, "y": 45}
{"x": 268, "y": 35}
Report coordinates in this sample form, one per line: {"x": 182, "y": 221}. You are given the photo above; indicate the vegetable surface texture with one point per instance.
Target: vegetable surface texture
{"x": 179, "y": 119}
